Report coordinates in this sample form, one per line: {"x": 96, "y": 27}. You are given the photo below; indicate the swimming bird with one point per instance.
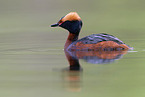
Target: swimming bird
{"x": 73, "y": 23}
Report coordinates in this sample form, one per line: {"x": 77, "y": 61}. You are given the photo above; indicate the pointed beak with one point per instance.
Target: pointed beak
{"x": 55, "y": 25}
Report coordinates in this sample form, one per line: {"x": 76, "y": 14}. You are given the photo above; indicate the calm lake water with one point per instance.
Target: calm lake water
{"x": 33, "y": 63}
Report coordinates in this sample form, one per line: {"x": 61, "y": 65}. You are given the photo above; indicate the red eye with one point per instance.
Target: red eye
{"x": 60, "y": 20}
{"x": 61, "y": 23}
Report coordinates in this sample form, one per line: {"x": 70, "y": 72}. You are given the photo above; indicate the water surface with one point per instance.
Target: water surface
{"x": 32, "y": 60}
{"x": 34, "y": 65}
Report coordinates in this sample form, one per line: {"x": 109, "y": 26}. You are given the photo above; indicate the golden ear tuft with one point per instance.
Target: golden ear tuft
{"x": 72, "y": 16}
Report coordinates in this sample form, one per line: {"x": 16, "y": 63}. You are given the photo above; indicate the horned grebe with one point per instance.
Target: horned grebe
{"x": 73, "y": 23}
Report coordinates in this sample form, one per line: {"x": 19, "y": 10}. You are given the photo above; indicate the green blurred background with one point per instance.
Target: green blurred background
{"x": 32, "y": 59}
{"x": 122, "y": 18}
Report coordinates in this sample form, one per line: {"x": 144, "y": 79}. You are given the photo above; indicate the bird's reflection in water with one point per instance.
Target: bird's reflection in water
{"x": 93, "y": 57}
{"x": 72, "y": 80}
{"x": 97, "y": 57}
{"x": 73, "y": 75}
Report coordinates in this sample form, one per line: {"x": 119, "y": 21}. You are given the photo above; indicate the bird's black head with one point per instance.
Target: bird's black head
{"x": 72, "y": 22}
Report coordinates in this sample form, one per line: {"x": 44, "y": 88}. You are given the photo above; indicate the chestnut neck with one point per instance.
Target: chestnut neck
{"x": 71, "y": 38}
